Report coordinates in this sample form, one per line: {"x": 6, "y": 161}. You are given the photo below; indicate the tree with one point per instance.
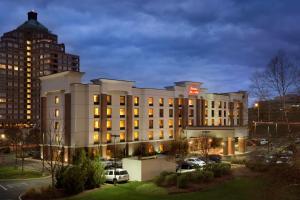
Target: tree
{"x": 14, "y": 136}
{"x": 279, "y": 78}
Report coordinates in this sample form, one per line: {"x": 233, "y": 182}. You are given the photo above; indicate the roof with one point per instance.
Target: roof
{"x": 33, "y": 24}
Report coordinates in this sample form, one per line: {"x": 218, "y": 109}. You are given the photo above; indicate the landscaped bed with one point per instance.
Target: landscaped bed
{"x": 9, "y": 172}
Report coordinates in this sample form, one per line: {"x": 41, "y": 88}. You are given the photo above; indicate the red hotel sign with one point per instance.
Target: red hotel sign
{"x": 193, "y": 90}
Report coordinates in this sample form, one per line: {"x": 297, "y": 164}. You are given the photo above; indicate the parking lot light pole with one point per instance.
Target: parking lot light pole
{"x": 115, "y": 161}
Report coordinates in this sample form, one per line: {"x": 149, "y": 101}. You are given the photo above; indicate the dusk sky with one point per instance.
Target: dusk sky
{"x": 155, "y": 43}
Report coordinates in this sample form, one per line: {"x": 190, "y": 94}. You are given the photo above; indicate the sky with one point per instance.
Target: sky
{"x": 155, "y": 43}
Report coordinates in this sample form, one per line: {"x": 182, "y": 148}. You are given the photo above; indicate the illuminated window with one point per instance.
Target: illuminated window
{"x": 28, "y": 80}
{"x": 150, "y": 135}
{"x": 170, "y": 122}
{"x": 122, "y": 137}
{"x": 190, "y": 122}
{"x": 122, "y": 124}
{"x": 170, "y": 112}
{"x": 96, "y": 99}
{"x": 150, "y": 112}
{"x": 150, "y": 148}
{"x": 161, "y": 112}
{"x": 161, "y": 134}
{"x": 28, "y": 85}
{"x": 171, "y": 133}
{"x": 220, "y": 121}
{"x": 28, "y": 48}
{"x": 28, "y": 75}
{"x": 205, "y": 104}
{"x": 28, "y": 117}
{"x": 96, "y": 112}
{"x": 136, "y": 112}
{"x": 205, "y": 122}
{"x": 108, "y": 99}
{"x": 28, "y": 53}
{"x": 161, "y": 123}
{"x": 122, "y": 100}
{"x": 28, "y": 91}
{"x": 28, "y": 111}
{"x": 56, "y": 100}
{"x": 108, "y": 112}
{"x": 28, "y": 96}
{"x": 28, "y": 70}
{"x": 179, "y": 122}
{"x": 136, "y": 101}
{"x": 56, "y": 113}
{"x": 108, "y": 137}
{"x": 191, "y": 102}
{"x": 171, "y": 102}
{"x": 151, "y": 123}
{"x": 150, "y": 101}
{"x": 191, "y": 113}
{"x": 2, "y": 100}
{"x": 136, "y": 124}
{"x": 122, "y": 112}
{"x": 220, "y": 104}
{"x": 28, "y": 42}
{"x": 212, "y": 122}
{"x": 206, "y": 112}
{"x": 28, "y": 65}
{"x": 161, "y": 101}
{"x": 96, "y": 137}
{"x": 16, "y": 68}
{"x": 108, "y": 124}
{"x": 96, "y": 124}
{"x": 28, "y": 59}
{"x": 180, "y": 101}
{"x": 161, "y": 148}
{"x": 56, "y": 125}
{"x": 136, "y": 135}
{"x": 28, "y": 101}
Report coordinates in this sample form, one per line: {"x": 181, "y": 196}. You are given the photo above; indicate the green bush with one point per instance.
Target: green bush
{"x": 59, "y": 177}
{"x": 74, "y": 180}
{"x": 218, "y": 169}
{"x": 238, "y": 161}
{"x": 170, "y": 179}
{"x": 208, "y": 176}
{"x": 182, "y": 180}
{"x": 257, "y": 166}
{"x": 95, "y": 175}
{"x": 160, "y": 180}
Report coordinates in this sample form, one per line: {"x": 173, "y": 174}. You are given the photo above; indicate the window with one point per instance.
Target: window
{"x": 56, "y": 100}
{"x": 150, "y": 112}
{"x": 212, "y": 122}
{"x": 206, "y": 113}
{"x": 212, "y": 104}
{"x": 108, "y": 124}
{"x": 224, "y": 122}
{"x": 224, "y": 113}
{"x": 96, "y": 112}
{"x": 136, "y": 101}
{"x": 136, "y": 124}
{"x": 205, "y": 104}
{"x": 220, "y": 122}
{"x": 225, "y": 105}
{"x": 205, "y": 122}
{"x": 171, "y": 133}
{"x": 161, "y": 134}
{"x": 180, "y": 122}
{"x": 150, "y": 135}
{"x": 212, "y": 113}
{"x": 171, "y": 102}
{"x": 220, "y": 104}
{"x": 161, "y": 112}
{"x": 136, "y": 135}
{"x": 180, "y": 112}
{"x": 190, "y": 122}
{"x": 150, "y": 101}
{"x": 96, "y": 99}
{"x": 96, "y": 125}
{"x": 220, "y": 113}
{"x": 122, "y": 137}
{"x": 161, "y": 101}
{"x": 96, "y": 137}
{"x": 191, "y": 113}
{"x": 161, "y": 123}
{"x": 170, "y": 123}
{"x": 108, "y": 99}
{"x": 180, "y": 102}
{"x": 108, "y": 112}
{"x": 56, "y": 125}
{"x": 56, "y": 112}
{"x": 108, "y": 137}
{"x": 122, "y": 124}
{"x": 122, "y": 112}
{"x": 170, "y": 112}
{"x": 151, "y": 123}
{"x": 122, "y": 100}
{"x": 191, "y": 102}
{"x": 136, "y": 112}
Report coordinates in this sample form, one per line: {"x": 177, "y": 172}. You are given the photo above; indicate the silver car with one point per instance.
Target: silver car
{"x": 120, "y": 176}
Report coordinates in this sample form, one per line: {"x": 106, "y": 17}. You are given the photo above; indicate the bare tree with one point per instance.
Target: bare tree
{"x": 204, "y": 143}
{"x": 14, "y": 136}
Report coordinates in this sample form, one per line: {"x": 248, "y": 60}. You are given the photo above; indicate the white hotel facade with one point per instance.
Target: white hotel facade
{"x": 90, "y": 115}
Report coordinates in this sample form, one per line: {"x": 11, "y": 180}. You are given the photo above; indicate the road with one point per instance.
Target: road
{"x": 11, "y": 189}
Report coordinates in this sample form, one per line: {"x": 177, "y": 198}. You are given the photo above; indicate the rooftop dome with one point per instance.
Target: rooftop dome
{"x": 32, "y": 23}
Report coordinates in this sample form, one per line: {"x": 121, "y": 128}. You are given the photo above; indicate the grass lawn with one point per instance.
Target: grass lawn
{"x": 238, "y": 188}
{"x": 13, "y": 173}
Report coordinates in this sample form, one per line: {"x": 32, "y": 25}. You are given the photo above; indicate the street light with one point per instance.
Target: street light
{"x": 256, "y": 105}
{"x": 3, "y": 136}
{"x": 115, "y": 161}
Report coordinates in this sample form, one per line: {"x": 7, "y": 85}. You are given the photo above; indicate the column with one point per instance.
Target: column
{"x": 185, "y": 113}
{"x": 225, "y": 147}
{"x": 231, "y": 147}
{"x": 176, "y": 118}
{"x": 242, "y": 144}
{"x": 198, "y": 112}
{"x": 67, "y": 117}
{"x": 103, "y": 128}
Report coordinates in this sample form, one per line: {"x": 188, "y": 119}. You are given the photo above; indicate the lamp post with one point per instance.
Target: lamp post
{"x": 257, "y": 106}
{"x": 115, "y": 161}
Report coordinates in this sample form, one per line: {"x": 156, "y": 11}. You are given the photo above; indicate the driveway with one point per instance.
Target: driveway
{"x": 11, "y": 189}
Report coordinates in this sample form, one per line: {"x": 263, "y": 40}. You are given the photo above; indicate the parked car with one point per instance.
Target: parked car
{"x": 185, "y": 167}
{"x": 263, "y": 141}
{"x": 284, "y": 160}
{"x": 195, "y": 161}
{"x": 297, "y": 141}
{"x": 215, "y": 158}
{"x": 114, "y": 161}
{"x": 34, "y": 154}
{"x": 120, "y": 176}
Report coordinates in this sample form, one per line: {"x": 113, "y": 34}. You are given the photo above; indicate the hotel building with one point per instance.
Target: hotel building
{"x": 26, "y": 53}
{"x": 93, "y": 115}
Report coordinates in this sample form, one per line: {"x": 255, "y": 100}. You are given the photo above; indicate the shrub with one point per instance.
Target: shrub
{"x": 74, "y": 180}
{"x": 182, "y": 181}
{"x": 238, "y": 161}
{"x": 170, "y": 179}
{"x": 218, "y": 169}
{"x": 257, "y": 166}
{"x": 160, "y": 180}
{"x": 208, "y": 176}
{"x": 94, "y": 175}
{"x": 59, "y": 176}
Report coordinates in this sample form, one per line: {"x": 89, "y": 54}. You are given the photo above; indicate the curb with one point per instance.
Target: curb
{"x": 25, "y": 179}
